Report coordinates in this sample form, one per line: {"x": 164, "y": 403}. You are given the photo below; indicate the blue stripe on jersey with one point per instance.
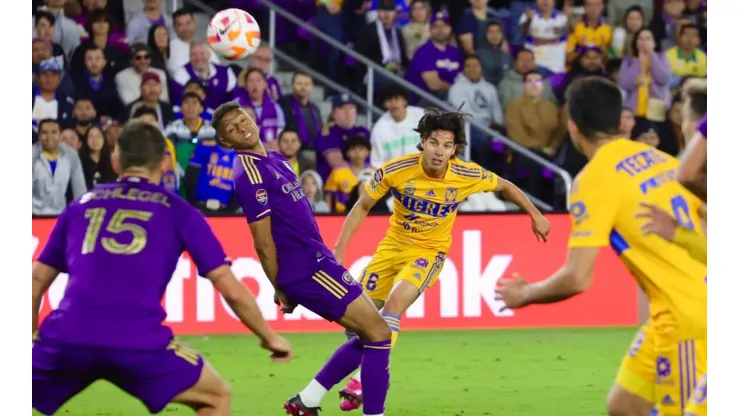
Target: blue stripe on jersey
{"x": 618, "y": 243}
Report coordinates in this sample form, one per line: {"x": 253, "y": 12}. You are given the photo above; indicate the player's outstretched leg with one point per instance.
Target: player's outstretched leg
{"x": 403, "y": 295}
{"x": 209, "y": 396}
{"x": 370, "y": 350}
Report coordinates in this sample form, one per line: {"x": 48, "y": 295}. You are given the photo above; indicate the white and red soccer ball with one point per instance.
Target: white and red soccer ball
{"x": 233, "y": 34}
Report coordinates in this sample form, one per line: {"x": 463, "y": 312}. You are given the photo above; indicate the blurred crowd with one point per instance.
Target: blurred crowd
{"x": 508, "y": 63}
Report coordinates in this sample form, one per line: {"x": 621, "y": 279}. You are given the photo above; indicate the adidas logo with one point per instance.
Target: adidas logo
{"x": 431, "y": 193}
{"x": 667, "y": 400}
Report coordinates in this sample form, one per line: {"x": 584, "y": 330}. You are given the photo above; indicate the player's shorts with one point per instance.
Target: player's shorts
{"x": 327, "y": 291}
{"x": 663, "y": 371}
{"x": 698, "y": 401}
{"x": 153, "y": 376}
{"x": 393, "y": 262}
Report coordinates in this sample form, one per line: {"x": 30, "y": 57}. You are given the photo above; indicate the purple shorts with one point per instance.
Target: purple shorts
{"x": 327, "y": 291}
{"x": 154, "y": 377}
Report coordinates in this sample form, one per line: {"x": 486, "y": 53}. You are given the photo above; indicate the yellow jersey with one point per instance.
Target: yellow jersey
{"x": 339, "y": 185}
{"x": 604, "y": 200}
{"x": 424, "y": 208}
{"x": 691, "y": 65}
{"x": 586, "y": 36}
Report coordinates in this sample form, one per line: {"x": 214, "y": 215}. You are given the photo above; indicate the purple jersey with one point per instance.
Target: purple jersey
{"x": 701, "y": 127}
{"x": 447, "y": 63}
{"x": 333, "y": 139}
{"x": 120, "y": 244}
{"x": 268, "y": 186}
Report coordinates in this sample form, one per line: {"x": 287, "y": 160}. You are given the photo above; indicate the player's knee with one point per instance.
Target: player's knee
{"x": 375, "y": 330}
{"x": 222, "y": 396}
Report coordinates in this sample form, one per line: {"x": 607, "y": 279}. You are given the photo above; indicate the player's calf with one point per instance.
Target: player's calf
{"x": 210, "y": 396}
{"x": 620, "y": 402}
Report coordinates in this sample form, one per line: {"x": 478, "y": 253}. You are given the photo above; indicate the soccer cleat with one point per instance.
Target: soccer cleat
{"x": 350, "y": 397}
{"x": 295, "y": 407}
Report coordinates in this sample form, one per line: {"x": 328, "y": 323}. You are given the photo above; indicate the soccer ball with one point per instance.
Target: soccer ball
{"x": 233, "y": 34}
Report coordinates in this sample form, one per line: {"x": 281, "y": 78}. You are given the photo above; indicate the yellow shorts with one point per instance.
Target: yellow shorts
{"x": 393, "y": 262}
{"x": 698, "y": 401}
{"x": 663, "y": 371}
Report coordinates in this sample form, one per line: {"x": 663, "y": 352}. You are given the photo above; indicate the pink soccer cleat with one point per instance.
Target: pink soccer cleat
{"x": 350, "y": 397}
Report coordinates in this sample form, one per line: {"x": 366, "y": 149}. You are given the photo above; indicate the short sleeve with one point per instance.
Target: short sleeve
{"x": 701, "y": 127}
{"x": 327, "y": 142}
{"x": 332, "y": 183}
{"x": 251, "y": 188}
{"x": 54, "y": 253}
{"x": 593, "y": 208}
{"x": 423, "y": 62}
{"x": 200, "y": 156}
{"x": 199, "y": 241}
{"x": 379, "y": 185}
{"x": 487, "y": 182}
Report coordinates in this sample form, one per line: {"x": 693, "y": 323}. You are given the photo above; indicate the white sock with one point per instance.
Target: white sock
{"x": 357, "y": 376}
{"x": 313, "y": 393}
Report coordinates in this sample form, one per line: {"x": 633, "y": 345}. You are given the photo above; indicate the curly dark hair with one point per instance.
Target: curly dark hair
{"x": 452, "y": 121}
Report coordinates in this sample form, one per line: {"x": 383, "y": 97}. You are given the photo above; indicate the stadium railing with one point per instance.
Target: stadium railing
{"x": 374, "y": 68}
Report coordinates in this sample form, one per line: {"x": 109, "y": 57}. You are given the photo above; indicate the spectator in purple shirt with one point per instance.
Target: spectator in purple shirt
{"x": 300, "y": 113}
{"x": 138, "y": 28}
{"x": 262, "y": 59}
{"x": 219, "y": 81}
{"x": 269, "y": 116}
{"x": 436, "y": 63}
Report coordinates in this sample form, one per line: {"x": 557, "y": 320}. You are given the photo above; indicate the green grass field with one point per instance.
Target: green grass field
{"x": 454, "y": 373}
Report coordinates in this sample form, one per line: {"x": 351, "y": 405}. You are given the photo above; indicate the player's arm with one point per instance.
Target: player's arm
{"x": 264, "y": 245}
{"x": 574, "y": 277}
{"x": 510, "y": 191}
{"x": 46, "y": 268}
{"x": 692, "y": 172}
{"x": 375, "y": 189}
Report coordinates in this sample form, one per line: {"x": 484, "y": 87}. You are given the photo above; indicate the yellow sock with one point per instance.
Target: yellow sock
{"x": 395, "y": 323}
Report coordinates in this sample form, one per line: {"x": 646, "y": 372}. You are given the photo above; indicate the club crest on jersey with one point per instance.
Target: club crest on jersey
{"x": 450, "y": 195}
{"x": 409, "y": 189}
{"x": 348, "y": 279}
{"x": 261, "y": 196}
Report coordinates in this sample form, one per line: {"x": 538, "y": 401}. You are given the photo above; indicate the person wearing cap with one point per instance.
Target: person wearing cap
{"x": 343, "y": 179}
{"x": 128, "y": 81}
{"x": 99, "y": 85}
{"x": 48, "y": 101}
{"x": 330, "y": 142}
{"x": 436, "y": 63}
{"x": 383, "y": 42}
{"x": 151, "y": 89}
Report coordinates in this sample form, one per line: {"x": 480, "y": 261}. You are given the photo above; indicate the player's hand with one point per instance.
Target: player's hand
{"x": 540, "y": 228}
{"x": 339, "y": 254}
{"x": 281, "y": 300}
{"x": 279, "y": 347}
{"x": 513, "y": 292}
{"x": 659, "y": 222}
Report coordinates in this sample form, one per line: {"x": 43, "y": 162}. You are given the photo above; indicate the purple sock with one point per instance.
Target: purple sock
{"x": 375, "y": 376}
{"x": 342, "y": 363}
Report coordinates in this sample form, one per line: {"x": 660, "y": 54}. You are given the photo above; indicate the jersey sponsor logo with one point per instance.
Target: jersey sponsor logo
{"x": 409, "y": 189}
{"x": 425, "y": 207}
{"x": 450, "y": 195}
{"x": 261, "y": 196}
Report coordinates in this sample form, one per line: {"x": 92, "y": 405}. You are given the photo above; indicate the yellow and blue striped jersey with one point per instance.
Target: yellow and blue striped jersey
{"x": 424, "y": 208}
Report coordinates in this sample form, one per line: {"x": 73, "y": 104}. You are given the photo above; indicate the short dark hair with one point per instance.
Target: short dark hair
{"x": 220, "y": 112}
{"x": 198, "y": 83}
{"x": 94, "y": 48}
{"x": 99, "y": 15}
{"x": 43, "y": 14}
{"x": 613, "y": 65}
{"x": 191, "y": 95}
{"x": 595, "y": 106}
{"x": 46, "y": 121}
{"x": 686, "y": 27}
{"x": 472, "y": 56}
{"x": 356, "y": 140}
{"x": 144, "y": 110}
{"x": 436, "y": 119}
{"x": 300, "y": 74}
{"x": 393, "y": 91}
{"x": 696, "y": 97}
{"x": 289, "y": 130}
{"x": 521, "y": 51}
{"x": 140, "y": 145}
{"x": 531, "y": 72}
{"x": 183, "y": 11}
